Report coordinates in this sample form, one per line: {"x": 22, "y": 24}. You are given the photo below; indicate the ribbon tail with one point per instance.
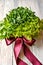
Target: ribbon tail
{"x": 17, "y": 49}
{"x": 20, "y": 62}
{"x": 30, "y": 56}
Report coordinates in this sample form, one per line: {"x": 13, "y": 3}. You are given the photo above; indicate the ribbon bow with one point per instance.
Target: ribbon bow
{"x": 20, "y": 43}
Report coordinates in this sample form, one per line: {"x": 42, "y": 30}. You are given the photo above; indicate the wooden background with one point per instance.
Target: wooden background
{"x": 6, "y": 52}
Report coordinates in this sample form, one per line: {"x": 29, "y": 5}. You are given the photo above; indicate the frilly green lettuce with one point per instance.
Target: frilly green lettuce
{"x": 20, "y": 22}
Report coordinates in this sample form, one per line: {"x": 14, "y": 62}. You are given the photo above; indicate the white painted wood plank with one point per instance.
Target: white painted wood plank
{"x": 6, "y": 54}
{"x": 5, "y": 51}
{"x": 2, "y": 2}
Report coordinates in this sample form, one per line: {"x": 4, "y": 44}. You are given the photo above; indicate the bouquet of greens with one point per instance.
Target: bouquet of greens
{"x": 20, "y": 22}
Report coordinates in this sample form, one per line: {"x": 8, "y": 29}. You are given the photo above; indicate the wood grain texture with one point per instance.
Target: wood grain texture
{"x": 6, "y": 52}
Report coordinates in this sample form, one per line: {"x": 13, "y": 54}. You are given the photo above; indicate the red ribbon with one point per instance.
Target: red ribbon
{"x": 20, "y": 43}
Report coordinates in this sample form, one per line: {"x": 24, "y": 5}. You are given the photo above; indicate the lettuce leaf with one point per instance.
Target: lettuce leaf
{"x": 20, "y": 22}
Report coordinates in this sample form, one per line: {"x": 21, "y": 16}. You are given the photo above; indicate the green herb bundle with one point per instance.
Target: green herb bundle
{"x": 20, "y": 22}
